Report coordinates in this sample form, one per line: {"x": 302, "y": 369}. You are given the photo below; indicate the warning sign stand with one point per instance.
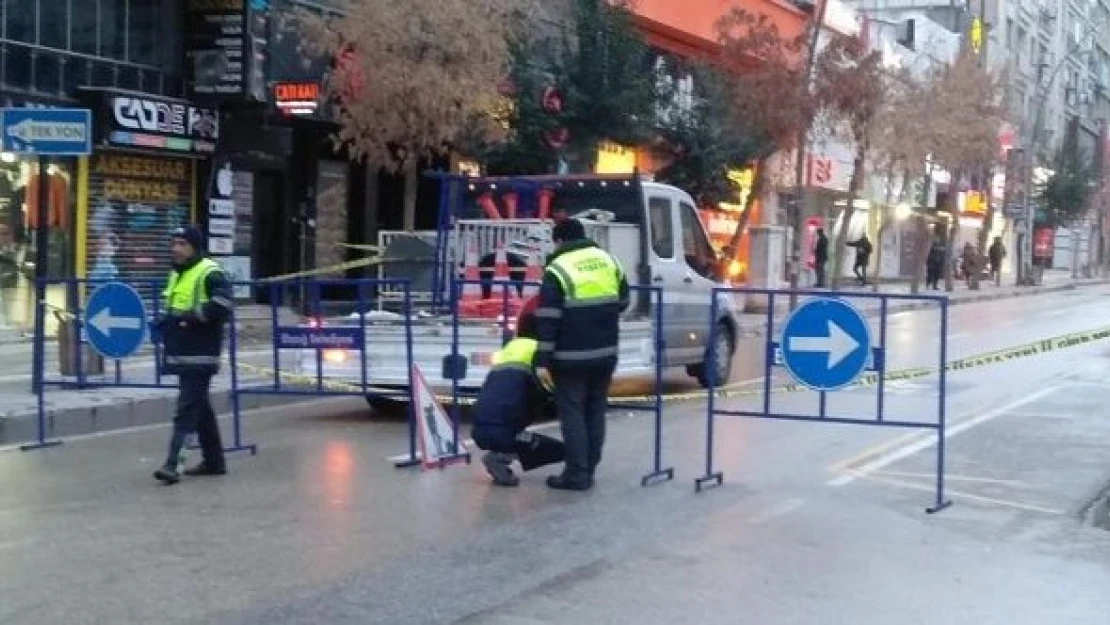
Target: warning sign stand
{"x": 437, "y": 434}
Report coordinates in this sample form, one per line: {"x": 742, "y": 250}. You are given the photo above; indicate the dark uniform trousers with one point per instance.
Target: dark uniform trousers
{"x": 195, "y": 414}
{"x": 533, "y": 450}
{"x": 581, "y": 397}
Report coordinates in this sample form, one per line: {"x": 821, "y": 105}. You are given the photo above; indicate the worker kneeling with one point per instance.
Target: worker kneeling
{"x": 509, "y": 401}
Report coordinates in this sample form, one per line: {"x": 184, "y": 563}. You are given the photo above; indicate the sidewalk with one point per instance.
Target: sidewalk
{"x": 752, "y": 324}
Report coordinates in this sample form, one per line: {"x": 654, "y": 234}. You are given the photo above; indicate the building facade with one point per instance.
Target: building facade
{"x": 56, "y": 54}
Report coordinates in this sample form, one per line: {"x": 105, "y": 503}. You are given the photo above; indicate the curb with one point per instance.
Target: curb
{"x": 757, "y": 330}
{"x": 22, "y": 427}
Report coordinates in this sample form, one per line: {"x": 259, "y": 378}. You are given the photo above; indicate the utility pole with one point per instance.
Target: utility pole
{"x": 795, "y": 210}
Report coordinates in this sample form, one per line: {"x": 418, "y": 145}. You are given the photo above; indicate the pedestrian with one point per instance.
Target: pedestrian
{"x": 197, "y": 305}
{"x": 820, "y": 257}
{"x": 995, "y": 254}
{"x": 863, "y": 258}
{"x": 969, "y": 263}
{"x": 511, "y": 399}
{"x": 934, "y": 265}
{"x": 583, "y": 293}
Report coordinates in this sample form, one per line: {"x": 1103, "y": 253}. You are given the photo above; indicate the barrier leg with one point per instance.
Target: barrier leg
{"x": 942, "y": 429}
{"x": 658, "y": 473}
{"x": 236, "y": 413}
{"x": 711, "y": 478}
{"x": 38, "y": 370}
{"x": 412, "y": 459}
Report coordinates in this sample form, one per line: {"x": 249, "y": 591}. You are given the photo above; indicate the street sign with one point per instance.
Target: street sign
{"x": 318, "y": 338}
{"x": 825, "y": 344}
{"x": 116, "y": 320}
{"x": 49, "y": 132}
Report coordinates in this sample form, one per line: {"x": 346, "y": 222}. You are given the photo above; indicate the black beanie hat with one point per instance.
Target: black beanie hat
{"x": 568, "y": 230}
{"x": 191, "y": 235}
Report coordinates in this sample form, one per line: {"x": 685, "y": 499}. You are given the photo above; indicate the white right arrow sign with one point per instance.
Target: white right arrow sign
{"x": 838, "y": 344}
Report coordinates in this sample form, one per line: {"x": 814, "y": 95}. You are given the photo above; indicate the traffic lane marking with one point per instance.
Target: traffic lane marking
{"x": 924, "y": 441}
{"x": 948, "y": 477}
{"x": 778, "y": 510}
{"x": 966, "y": 496}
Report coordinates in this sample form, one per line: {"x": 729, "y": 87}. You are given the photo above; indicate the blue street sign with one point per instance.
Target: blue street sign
{"x": 116, "y": 320}
{"x": 49, "y": 132}
{"x": 825, "y": 344}
{"x": 318, "y": 338}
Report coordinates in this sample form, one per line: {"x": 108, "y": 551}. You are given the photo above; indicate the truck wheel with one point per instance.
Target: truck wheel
{"x": 726, "y": 345}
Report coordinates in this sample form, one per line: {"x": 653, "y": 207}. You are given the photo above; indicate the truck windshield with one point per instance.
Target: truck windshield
{"x": 617, "y": 197}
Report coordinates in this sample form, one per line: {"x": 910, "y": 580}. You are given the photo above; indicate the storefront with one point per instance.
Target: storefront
{"x": 139, "y": 184}
{"x": 19, "y": 199}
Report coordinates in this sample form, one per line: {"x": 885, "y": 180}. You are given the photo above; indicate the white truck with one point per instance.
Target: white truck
{"x": 653, "y": 229}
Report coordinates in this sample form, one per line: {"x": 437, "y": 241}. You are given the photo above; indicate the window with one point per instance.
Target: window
{"x": 113, "y": 28}
{"x": 17, "y": 67}
{"x": 83, "y": 29}
{"x": 144, "y": 31}
{"x": 48, "y": 72}
{"x": 19, "y": 20}
{"x": 53, "y": 24}
{"x": 699, "y": 254}
{"x": 662, "y": 227}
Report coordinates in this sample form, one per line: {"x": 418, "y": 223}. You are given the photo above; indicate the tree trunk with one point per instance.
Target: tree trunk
{"x": 887, "y": 215}
{"x": 842, "y": 237}
{"x": 412, "y": 184}
{"x": 1076, "y": 236}
{"x": 759, "y": 182}
{"x": 923, "y": 239}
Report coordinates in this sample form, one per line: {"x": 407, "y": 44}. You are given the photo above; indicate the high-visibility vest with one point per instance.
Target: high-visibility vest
{"x": 516, "y": 354}
{"x": 187, "y": 292}
{"x": 589, "y": 276}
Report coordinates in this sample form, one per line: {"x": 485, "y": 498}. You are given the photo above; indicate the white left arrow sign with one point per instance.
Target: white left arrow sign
{"x": 104, "y": 322}
{"x": 838, "y": 344}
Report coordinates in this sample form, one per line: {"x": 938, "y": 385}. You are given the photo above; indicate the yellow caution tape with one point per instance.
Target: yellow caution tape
{"x": 732, "y": 391}
{"x": 321, "y": 271}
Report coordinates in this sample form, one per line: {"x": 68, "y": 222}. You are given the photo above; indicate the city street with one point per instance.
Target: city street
{"x": 815, "y": 523}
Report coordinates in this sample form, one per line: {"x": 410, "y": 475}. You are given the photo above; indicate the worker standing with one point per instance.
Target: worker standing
{"x": 583, "y": 293}
{"x": 197, "y": 304}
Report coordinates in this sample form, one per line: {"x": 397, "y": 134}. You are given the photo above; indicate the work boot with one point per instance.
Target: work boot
{"x": 497, "y": 465}
{"x": 167, "y": 475}
{"x": 559, "y": 482}
{"x": 205, "y": 469}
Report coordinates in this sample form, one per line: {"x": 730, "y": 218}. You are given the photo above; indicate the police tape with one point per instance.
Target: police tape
{"x": 733, "y": 391}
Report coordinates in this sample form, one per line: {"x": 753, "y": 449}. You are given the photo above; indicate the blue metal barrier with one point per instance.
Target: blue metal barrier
{"x": 280, "y": 336}
{"x": 504, "y": 292}
{"x": 318, "y": 335}
{"x": 841, "y": 374}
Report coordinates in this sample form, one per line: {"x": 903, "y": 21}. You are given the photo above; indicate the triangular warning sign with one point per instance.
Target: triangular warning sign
{"x": 436, "y": 431}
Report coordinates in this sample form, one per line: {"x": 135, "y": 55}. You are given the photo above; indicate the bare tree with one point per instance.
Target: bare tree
{"x": 850, "y": 87}
{"x": 410, "y": 76}
{"x": 767, "y": 94}
{"x": 964, "y": 115}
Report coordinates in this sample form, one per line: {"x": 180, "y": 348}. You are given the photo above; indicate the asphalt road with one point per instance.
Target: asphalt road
{"x": 815, "y": 523}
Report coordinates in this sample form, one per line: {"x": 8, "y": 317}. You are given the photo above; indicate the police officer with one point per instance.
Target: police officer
{"x": 583, "y": 293}
{"x": 509, "y": 400}
{"x": 197, "y": 304}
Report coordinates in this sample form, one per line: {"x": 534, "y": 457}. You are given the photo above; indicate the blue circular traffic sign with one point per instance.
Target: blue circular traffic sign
{"x": 825, "y": 344}
{"x": 115, "y": 319}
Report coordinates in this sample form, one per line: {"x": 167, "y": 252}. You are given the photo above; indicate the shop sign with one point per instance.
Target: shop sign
{"x": 1043, "y": 242}
{"x": 296, "y": 98}
{"x": 145, "y": 121}
{"x": 134, "y": 203}
{"x": 226, "y": 43}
